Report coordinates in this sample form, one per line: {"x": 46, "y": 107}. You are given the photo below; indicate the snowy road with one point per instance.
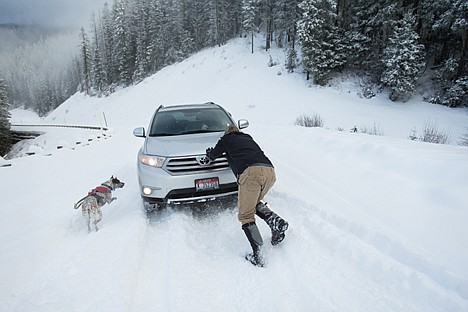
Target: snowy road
{"x": 377, "y": 223}
{"x": 180, "y": 261}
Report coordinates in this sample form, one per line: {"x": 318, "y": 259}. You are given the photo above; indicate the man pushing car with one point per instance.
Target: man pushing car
{"x": 255, "y": 176}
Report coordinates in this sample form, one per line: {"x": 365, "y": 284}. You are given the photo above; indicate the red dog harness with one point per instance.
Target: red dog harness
{"x": 100, "y": 189}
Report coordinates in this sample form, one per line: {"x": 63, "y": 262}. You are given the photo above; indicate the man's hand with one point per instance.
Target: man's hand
{"x": 208, "y": 152}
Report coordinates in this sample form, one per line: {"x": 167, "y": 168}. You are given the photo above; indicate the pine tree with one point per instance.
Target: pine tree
{"x": 196, "y": 15}
{"x": 268, "y": 9}
{"x": 219, "y": 11}
{"x": 403, "y": 60}
{"x": 96, "y": 66}
{"x": 367, "y": 27}
{"x": 141, "y": 20}
{"x": 5, "y": 135}
{"x": 287, "y": 16}
{"x": 249, "y": 15}
{"x": 291, "y": 56}
{"x": 108, "y": 59}
{"x": 85, "y": 63}
{"x": 321, "y": 47}
{"x": 121, "y": 44}
{"x": 453, "y": 25}
{"x": 155, "y": 46}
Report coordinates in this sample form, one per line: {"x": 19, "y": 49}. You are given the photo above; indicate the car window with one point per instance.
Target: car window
{"x": 185, "y": 121}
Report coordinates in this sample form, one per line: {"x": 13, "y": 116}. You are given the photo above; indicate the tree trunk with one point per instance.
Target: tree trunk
{"x": 252, "y": 42}
{"x": 461, "y": 64}
{"x": 268, "y": 35}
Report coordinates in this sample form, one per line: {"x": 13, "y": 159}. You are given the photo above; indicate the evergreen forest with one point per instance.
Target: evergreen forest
{"x": 391, "y": 45}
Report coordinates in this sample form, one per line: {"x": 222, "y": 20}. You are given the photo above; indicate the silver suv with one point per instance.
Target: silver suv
{"x": 172, "y": 165}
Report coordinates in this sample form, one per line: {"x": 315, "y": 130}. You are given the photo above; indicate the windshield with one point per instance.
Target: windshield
{"x": 186, "y": 121}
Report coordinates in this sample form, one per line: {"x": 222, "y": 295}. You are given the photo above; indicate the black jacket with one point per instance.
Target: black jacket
{"x": 241, "y": 152}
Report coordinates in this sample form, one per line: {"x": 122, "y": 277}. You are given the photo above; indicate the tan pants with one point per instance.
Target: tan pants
{"x": 254, "y": 183}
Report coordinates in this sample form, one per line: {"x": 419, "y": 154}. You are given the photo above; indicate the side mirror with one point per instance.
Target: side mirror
{"x": 242, "y": 123}
{"x": 139, "y": 132}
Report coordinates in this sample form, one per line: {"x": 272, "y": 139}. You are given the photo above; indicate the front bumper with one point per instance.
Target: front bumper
{"x": 166, "y": 188}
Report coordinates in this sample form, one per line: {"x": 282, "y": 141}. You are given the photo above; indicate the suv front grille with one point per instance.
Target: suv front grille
{"x": 189, "y": 164}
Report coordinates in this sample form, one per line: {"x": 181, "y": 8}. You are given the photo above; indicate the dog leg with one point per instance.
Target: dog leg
{"x": 97, "y": 217}
{"x": 87, "y": 218}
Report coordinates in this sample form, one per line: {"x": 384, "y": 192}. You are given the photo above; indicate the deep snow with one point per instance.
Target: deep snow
{"x": 378, "y": 223}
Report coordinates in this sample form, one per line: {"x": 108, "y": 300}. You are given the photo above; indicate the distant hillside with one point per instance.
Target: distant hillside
{"x": 13, "y": 36}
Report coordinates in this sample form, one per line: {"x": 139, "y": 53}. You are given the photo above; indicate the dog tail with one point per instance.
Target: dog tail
{"x": 79, "y": 203}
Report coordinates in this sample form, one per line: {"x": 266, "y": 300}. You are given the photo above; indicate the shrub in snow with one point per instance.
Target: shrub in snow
{"x": 307, "y": 121}
{"x": 464, "y": 140}
{"x": 432, "y": 134}
{"x": 375, "y": 130}
{"x": 413, "y": 136}
{"x": 271, "y": 62}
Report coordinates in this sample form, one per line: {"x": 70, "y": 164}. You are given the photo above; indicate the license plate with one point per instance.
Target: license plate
{"x": 207, "y": 184}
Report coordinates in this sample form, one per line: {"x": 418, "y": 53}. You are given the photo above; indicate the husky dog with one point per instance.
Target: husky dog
{"x": 91, "y": 204}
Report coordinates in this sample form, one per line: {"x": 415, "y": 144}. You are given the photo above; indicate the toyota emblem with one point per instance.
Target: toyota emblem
{"x": 203, "y": 160}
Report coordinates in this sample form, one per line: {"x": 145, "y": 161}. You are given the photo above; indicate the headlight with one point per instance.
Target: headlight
{"x": 153, "y": 161}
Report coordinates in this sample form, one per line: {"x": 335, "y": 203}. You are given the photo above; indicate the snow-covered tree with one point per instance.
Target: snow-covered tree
{"x": 268, "y": 11}
{"x": 403, "y": 60}
{"x": 155, "y": 48}
{"x": 453, "y": 25}
{"x": 96, "y": 68}
{"x": 249, "y": 16}
{"x": 287, "y": 16}
{"x": 25, "y": 69}
{"x": 457, "y": 94}
{"x": 107, "y": 49}
{"x": 291, "y": 56}
{"x": 322, "y": 50}
{"x": 5, "y": 135}
{"x": 141, "y": 29}
{"x": 219, "y": 21}
{"x": 136, "y": 38}
{"x": 367, "y": 26}
{"x": 195, "y": 22}
{"x": 85, "y": 62}
{"x": 121, "y": 44}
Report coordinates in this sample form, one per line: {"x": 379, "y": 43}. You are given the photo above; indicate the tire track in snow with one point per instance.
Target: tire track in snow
{"x": 362, "y": 254}
{"x": 302, "y": 183}
{"x": 184, "y": 266}
{"x": 200, "y": 258}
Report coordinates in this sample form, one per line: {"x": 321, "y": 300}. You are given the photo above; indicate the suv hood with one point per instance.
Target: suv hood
{"x": 181, "y": 145}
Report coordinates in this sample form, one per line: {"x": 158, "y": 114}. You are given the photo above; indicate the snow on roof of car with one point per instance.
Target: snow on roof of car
{"x": 189, "y": 106}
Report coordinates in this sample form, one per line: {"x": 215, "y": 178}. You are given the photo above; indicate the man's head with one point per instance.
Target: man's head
{"x": 232, "y": 128}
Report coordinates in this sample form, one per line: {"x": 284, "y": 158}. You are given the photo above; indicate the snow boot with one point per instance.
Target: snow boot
{"x": 256, "y": 242}
{"x": 277, "y": 224}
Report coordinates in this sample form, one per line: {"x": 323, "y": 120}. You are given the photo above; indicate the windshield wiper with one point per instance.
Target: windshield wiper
{"x": 200, "y": 131}
{"x": 162, "y": 134}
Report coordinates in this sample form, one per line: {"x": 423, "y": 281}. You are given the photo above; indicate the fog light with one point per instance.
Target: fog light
{"x": 147, "y": 191}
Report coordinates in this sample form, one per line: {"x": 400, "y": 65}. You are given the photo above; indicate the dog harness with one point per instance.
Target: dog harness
{"x": 99, "y": 193}
{"x": 100, "y": 189}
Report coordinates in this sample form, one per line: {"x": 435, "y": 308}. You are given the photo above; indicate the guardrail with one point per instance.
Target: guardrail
{"x": 61, "y": 126}
{"x": 30, "y": 131}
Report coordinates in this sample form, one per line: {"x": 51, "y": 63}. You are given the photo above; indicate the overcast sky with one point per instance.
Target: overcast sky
{"x": 57, "y": 13}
